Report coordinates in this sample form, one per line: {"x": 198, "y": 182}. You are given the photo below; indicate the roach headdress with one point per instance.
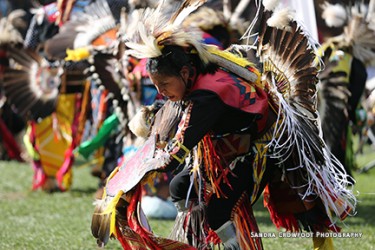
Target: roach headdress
{"x": 154, "y": 31}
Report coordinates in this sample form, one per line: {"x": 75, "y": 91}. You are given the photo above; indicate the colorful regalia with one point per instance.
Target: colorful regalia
{"x": 48, "y": 94}
{"x": 277, "y": 145}
{"x": 104, "y": 102}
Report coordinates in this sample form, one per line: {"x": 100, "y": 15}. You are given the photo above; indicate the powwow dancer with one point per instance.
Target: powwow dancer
{"x": 51, "y": 140}
{"x": 227, "y": 131}
{"x": 48, "y": 96}
{"x": 343, "y": 80}
{"x": 103, "y": 95}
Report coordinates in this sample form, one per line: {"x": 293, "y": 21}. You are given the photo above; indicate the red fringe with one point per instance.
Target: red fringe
{"x": 212, "y": 237}
{"x": 134, "y": 223}
{"x": 245, "y": 223}
{"x": 287, "y": 221}
{"x": 10, "y": 144}
{"x": 67, "y": 165}
{"x": 214, "y": 170}
{"x": 39, "y": 176}
{"x": 124, "y": 243}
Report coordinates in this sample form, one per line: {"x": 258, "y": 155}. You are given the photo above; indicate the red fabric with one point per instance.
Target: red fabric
{"x": 246, "y": 224}
{"x": 134, "y": 223}
{"x": 209, "y": 39}
{"x": 3, "y": 53}
{"x": 39, "y": 177}
{"x": 212, "y": 237}
{"x": 51, "y": 12}
{"x": 10, "y": 144}
{"x": 141, "y": 238}
{"x": 287, "y": 221}
{"x": 236, "y": 93}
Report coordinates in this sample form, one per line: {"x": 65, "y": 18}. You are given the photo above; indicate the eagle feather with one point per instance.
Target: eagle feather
{"x": 290, "y": 69}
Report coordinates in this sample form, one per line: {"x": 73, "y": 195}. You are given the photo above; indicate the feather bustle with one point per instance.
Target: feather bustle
{"x": 22, "y": 87}
{"x": 291, "y": 70}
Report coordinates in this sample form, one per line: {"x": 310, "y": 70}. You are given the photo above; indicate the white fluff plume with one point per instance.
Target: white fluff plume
{"x": 270, "y": 5}
{"x": 138, "y": 124}
{"x": 8, "y": 29}
{"x": 280, "y": 19}
{"x": 334, "y": 14}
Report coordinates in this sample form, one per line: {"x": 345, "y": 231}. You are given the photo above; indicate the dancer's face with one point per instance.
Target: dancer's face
{"x": 171, "y": 86}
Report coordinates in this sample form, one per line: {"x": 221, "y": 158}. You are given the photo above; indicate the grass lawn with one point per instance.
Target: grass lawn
{"x": 37, "y": 220}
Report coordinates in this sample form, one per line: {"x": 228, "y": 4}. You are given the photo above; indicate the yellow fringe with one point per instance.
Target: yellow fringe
{"x": 112, "y": 225}
{"x": 199, "y": 157}
{"x": 108, "y": 178}
{"x": 259, "y": 159}
{"x": 111, "y": 209}
{"x": 28, "y": 145}
{"x": 113, "y": 173}
{"x": 149, "y": 180}
{"x": 112, "y": 205}
{"x": 68, "y": 179}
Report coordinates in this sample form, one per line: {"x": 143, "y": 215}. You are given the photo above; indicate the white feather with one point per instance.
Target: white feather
{"x": 138, "y": 124}
{"x": 371, "y": 11}
{"x": 270, "y": 5}
{"x": 334, "y": 14}
{"x": 8, "y": 33}
{"x": 280, "y": 19}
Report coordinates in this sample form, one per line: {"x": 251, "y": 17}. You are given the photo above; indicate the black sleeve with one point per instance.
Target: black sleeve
{"x": 206, "y": 110}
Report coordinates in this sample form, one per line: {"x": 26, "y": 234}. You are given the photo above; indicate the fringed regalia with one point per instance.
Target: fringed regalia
{"x": 90, "y": 38}
{"x": 103, "y": 125}
{"x": 282, "y": 145}
{"x": 48, "y": 96}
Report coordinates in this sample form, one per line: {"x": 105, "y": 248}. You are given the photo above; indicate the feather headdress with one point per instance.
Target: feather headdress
{"x": 206, "y": 19}
{"x": 358, "y": 37}
{"x": 155, "y": 30}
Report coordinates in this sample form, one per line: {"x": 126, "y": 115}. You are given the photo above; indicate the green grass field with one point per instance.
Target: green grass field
{"x": 37, "y": 220}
